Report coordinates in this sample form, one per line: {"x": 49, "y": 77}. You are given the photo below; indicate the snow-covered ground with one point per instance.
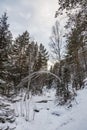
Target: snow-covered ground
{"x": 52, "y": 117}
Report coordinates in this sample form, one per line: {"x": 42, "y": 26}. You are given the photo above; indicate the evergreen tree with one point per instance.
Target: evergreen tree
{"x": 5, "y": 46}
{"x": 19, "y": 57}
{"x": 76, "y": 38}
{"x": 69, "y": 5}
{"x": 43, "y": 57}
{"x": 76, "y": 48}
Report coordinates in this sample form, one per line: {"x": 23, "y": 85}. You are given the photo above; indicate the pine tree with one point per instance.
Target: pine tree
{"x": 76, "y": 48}
{"x": 40, "y": 64}
{"x": 69, "y": 5}
{"x": 76, "y": 38}
{"x": 19, "y": 57}
{"x": 5, "y": 46}
{"x": 43, "y": 57}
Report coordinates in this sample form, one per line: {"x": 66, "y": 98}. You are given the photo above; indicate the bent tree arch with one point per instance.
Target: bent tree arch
{"x": 27, "y": 94}
{"x": 34, "y": 74}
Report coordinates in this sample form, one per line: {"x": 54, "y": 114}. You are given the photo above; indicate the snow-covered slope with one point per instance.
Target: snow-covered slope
{"x": 7, "y": 115}
{"x": 77, "y": 116}
{"x": 51, "y": 117}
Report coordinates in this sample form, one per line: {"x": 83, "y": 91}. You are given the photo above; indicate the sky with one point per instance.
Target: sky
{"x": 36, "y": 16}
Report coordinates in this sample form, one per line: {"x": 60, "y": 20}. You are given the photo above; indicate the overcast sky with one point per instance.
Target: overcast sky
{"x": 36, "y": 16}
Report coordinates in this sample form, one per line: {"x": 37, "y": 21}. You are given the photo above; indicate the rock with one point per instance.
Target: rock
{"x": 42, "y": 101}
{"x": 4, "y": 127}
{"x": 36, "y": 110}
{"x": 10, "y": 119}
{"x": 7, "y": 115}
{"x": 2, "y": 120}
{"x": 55, "y": 113}
{"x": 69, "y": 106}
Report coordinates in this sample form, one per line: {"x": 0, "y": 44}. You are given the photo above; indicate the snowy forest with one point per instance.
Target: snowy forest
{"x": 33, "y": 97}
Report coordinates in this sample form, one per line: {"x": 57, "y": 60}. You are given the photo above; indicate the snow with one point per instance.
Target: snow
{"x": 2, "y": 81}
{"x": 77, "y": 116}
{"x": 6, "y": 114}
{"x": 50, "y": 116}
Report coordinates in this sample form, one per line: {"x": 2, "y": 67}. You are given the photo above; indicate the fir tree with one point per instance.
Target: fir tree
{"x": 5, "y": 46}
{"x": 19, "y": 57}
{"x": 43, "y": 56}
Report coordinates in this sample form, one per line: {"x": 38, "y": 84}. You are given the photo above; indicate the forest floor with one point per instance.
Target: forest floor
{"x": 42, "y": 113}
